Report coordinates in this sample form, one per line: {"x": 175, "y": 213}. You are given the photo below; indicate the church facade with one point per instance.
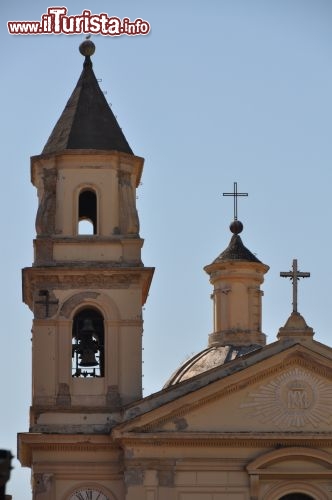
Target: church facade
{"x": 241, "y": 420}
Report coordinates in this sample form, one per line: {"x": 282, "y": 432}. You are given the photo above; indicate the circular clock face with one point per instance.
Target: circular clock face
{"x": 88, "y": 494}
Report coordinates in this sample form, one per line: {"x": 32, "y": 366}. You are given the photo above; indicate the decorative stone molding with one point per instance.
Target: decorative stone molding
{"x": 66, "y": 278}
{"x": 90, "y": 280}
{"x": 279, "y": 478}
{"x": 69, "y": 305}
{"x": 281, "y": 488}
{"x": 237, "y": 337}
{"x": 285, "y": 454}
{"x": 235, "y": 440}
{"x": 52, "y": 442}
{"x": 83, "y": 158}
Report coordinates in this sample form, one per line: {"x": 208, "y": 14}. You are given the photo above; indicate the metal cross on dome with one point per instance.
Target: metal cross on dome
{"x": 294, "y": 275}
{"x": 235, "y": 194}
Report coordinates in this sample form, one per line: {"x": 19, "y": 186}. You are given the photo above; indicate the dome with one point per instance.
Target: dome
{"x": 209, "y": 358}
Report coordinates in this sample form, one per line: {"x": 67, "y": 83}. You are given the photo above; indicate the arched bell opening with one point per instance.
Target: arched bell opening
{"x": 88, "y": 344}
{"x": 87, "y": 212}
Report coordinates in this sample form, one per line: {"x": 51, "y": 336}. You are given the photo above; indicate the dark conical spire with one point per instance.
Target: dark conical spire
{"x": 87, "y": 122}
{"x": 236, "y": 249}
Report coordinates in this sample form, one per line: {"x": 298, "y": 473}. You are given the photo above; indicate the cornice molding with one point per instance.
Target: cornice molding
{"x": 186, "y": 464}
{"x": 87, "y": 158}
{"x": 84, "y": 278}
{"x": 28, "y": 443}
{"x": 233, "y": 440}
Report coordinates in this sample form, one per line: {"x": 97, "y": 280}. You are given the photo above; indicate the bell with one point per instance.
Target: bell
{"x": 87, "y": 345}
{"x": 87, "y": 327}
{"x": 87, "y": 356}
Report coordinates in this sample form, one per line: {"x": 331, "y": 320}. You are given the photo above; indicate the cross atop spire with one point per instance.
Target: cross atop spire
{"x": 235, "y": 194}
{"x": 294, "y": 275}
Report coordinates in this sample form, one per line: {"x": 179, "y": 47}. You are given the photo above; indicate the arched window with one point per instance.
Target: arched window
{"x": 88, "y": 344}
{"x": 296, "y": 496}
{"x": 87, "y": 212}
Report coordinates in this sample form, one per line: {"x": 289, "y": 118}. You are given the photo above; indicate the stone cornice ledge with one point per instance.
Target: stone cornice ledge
{"x": 233, "y": 439}
{"x": 29, "y": 441}
{"x": 84, "y": 277}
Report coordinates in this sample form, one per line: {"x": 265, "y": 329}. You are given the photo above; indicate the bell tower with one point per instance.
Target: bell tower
{"x": 86, "y": 289}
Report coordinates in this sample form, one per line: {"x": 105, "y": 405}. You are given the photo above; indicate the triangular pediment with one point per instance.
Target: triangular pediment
{"x": 289, "y": 391}
{"x": 295, "y": 398}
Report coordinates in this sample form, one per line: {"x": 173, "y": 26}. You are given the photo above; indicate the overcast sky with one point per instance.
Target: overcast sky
{"x": 217, "y": 92}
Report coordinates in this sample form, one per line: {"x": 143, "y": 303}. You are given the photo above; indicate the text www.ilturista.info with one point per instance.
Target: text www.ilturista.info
{"x": 57, "y": 22}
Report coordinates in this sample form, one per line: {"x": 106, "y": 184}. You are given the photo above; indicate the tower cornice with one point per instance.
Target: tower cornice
{"x": 85, "y": 158}
{"x": 35, "y": 278}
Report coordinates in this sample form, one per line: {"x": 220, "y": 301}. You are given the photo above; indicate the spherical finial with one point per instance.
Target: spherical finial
{"x": 87, "y": 48}
{"x": 236, "y": 227}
